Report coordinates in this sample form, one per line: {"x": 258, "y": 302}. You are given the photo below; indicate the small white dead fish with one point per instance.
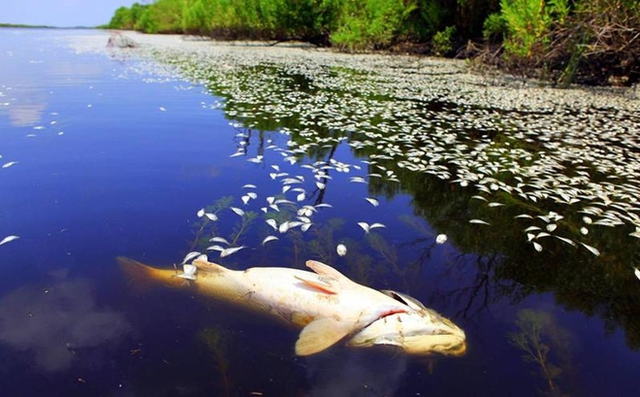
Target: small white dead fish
{"x": 8, "y": 239}
{"x": 211, "y": 217}
{"x": 237, "y": 210}
{"x": 341, "y": 249}
{"x": 366, "y": 227}
{"x": 191, "y": 255}
{"x": 230, "y": 251}
{"x": 479, "y": 222}
{"x": 636, "y": 271}
{"x": 219, "y": 239}
{"x": 269, "y": 238}
{"x": 372, "y": 201}
{"x": 441, "y": 238}
{"x": 272, "y": 222}
{"x": 189, "y": 272}
{"x": 9, "y": 164}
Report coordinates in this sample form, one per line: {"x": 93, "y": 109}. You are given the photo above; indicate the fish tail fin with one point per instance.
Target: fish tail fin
{"x": 144, "y": 278}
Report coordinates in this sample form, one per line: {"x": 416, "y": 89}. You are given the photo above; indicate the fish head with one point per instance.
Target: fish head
{"x": 418, "y": 331}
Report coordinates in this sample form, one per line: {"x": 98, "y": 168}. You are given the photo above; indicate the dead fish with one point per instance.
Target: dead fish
{"x": 327, "y": 305}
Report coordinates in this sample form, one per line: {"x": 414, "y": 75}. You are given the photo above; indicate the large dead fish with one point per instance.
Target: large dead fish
{"x": 328, "y": 305}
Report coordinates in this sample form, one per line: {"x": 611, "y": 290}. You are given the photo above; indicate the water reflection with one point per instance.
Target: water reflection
{"x": 57, "y": 323}
{"x": 340, "y": 372}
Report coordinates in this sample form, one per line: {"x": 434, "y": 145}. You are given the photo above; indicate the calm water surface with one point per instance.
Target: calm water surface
{"x": 111, "y": 162}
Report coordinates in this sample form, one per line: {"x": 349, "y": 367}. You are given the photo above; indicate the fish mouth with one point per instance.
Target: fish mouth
{"x": 423, "y": 333}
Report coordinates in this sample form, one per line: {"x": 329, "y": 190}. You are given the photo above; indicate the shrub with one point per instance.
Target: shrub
{"x": 443, "y": 41}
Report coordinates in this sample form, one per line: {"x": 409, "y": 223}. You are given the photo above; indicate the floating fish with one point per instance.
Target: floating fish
{"x": 366, "y": 227}
{"x": 191, "y": 255}
{"x": 238, "y": 211}
{"x": 269, "y": 238}
{"x": 441, "y": 238}
{"x": 230, "y": 251}
{"x": 341, "y": 249}
{"x": 9, "y": 164}
{"x": 372, "y": 201}
{"x": 328, "y": 306}
{"x": 8, "y": 239}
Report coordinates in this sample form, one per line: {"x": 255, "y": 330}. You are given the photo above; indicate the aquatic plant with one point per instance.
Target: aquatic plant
{"x": 216, "y": 340}
{"x": 538, "y": 334}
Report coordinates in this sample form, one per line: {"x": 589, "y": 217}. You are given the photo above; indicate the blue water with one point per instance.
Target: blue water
{"x": 121, "y": 166}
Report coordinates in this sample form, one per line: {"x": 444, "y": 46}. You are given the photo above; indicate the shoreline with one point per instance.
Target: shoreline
{"x": 409, "y": 71}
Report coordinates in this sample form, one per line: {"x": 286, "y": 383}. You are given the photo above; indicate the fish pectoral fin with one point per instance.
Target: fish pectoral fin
{"x": 321, "y": 286}
{"x": 320, "y": 335}
{"x": 327, "y": 271}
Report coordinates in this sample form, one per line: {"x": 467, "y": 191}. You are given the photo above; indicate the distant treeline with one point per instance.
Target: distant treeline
{"x": 589, "y": 41}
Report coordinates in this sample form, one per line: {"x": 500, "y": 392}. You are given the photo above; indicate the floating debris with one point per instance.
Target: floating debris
{"x": 441, "y": 238}
{"x": 341, "y": 249}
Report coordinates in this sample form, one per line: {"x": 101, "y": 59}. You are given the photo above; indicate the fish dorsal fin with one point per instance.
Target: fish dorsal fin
{"x": 204, "y": 265}
{"x": 319, "y": 335}
{"x": 327, "y": 272}
{"x": 320, "y": 285}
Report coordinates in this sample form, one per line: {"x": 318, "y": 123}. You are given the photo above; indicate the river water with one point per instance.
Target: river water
{"x": 119, "y": 152}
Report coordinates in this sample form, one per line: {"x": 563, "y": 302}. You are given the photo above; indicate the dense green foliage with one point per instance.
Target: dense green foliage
{"x": 591, "y": 41}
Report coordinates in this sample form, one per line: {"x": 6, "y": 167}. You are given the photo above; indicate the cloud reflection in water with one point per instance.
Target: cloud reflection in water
{"x": 349, "y": 372}
{"x": 50, "y": 323}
